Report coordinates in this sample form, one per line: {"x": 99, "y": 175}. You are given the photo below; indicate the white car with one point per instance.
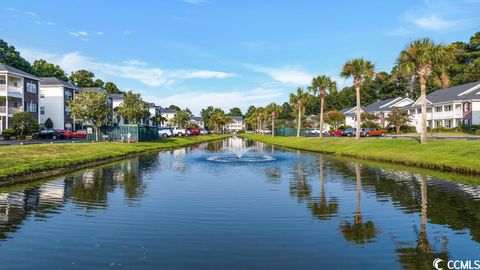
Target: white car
{"x": 165, "y": 132}
{"x": 179, "y": 132}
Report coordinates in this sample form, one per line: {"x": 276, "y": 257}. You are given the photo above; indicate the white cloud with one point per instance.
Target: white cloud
{"x": 131, "y": 69}
{"x": 100, "y": 33}
{"x": 79, "y": 34}
{"x": 433, "y": 22}
{"x": 37, "y": 22}
{"x": 51, "y": 23}
{"x": 286, "y": 75}
{"x": 127, "y": 32}
{"x": 198, "y": 100}
{"x": 195, "y": 2}
{"x": 31, "y": 13}
{"x": 400, "y": 31}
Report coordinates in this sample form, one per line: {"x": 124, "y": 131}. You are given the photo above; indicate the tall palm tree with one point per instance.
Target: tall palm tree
{"x": 319, "y": 86}
{"x": 359, "y": 69}
{"x": 273, "y": 109}
{"x": 417, "y": 60}
{"x": 298, "y": 101}
{"x": 259, "y": 115}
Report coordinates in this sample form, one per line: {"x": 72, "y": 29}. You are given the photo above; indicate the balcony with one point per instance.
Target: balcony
{"x": 11, "y": 110}
{"x": 15, "y": 90}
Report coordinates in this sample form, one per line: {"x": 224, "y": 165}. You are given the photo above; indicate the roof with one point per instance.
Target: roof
{"x": 381, "y": 105}
{"x": 351, "y": 110}
{"x": 168, "y": 111}
{"x": 116, "y": 96}
{"x": 197, "y": 118}
{"x": 151, "y": 105}
{"x": 98, "y": 89}
{"x": 237, "y": 118}
{"x": 9, "y": 69}
{"x": 56, "y": 81}
{"x": 469, "y": 91}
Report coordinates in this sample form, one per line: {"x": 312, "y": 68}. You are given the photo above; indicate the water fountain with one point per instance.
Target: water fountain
{"x": 241, "y": 153}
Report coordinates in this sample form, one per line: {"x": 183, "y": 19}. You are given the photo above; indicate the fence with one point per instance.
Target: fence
{"x": 138, "y": 133}
{"x": 288, "y": 132}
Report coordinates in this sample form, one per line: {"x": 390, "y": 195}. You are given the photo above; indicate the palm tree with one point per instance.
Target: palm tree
{"x": 320, "y": 85}
{"x": 298, "y": 101}
{"x": 259, "y": 116}
{"x": 417, "y": 60}
{"x": 273, "y": 109}
{"x": 359, "y": 69}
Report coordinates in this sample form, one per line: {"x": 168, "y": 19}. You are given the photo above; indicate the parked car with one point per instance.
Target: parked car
{"x": 68, "y": 133}
{"x": 53, "y": 134}
{"x": 73, "y": 135}
{"x": 179, "y": 132}
{"x": 349, "y": 132}
{"x": 371, "y": 132}
{"x": 193, "y": 131}
{"x": 165, "y": 132}
{"x": 203, "y": 131}
{"x": 79, "y": 135}
{"x": 337, "y": 132}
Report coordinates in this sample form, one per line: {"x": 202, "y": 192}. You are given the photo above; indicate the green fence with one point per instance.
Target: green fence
{"x": 138, "y": 133}
{"x": 288, "y": 132}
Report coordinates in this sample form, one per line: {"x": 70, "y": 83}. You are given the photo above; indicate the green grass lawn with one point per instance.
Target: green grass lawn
{"x": 438, "y": 134}
{"x": 446, "y": 155}
{"x": 21, "y": 160}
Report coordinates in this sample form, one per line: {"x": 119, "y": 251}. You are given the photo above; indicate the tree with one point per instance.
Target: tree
{"x": 360, "y": 70}
{"x": 10, "y": 56}
{"x": 48, "y": 123}
{"x": 174, "y": 107}
{"x": 320, "y": 85}
{"x": 369, "y": 120}
{"x": 235, "y": 111}
{"x": 274, "y": 110}
{"x": 398, "y": 118}
{"x": 42, "y": 68}
{"x": 133, "y": 109}
{"x": 83, "y": 78}
{"x": 92, "y": 107}
{"x": 335, "y": 119}
{"x": 112, "y": 88}
{"x": 99, "y": 83}
{"x": 206, "y": 114}
{"x": 182, "y": 118}
{"x": 418, "y": 61}
{"x": 298, "y": 101}
{"x": 23, "y": 123}
{"x": 219, "y": 119}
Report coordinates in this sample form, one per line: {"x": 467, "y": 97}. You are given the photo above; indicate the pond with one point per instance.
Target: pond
{"x": 237, "y": 204}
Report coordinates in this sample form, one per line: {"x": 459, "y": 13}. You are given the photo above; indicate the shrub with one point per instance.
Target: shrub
{"x": 8, "y": 133}
{"x": 21, "y": 137}
{"x": 48, "y": 123}
{"x": 241, "y": 131}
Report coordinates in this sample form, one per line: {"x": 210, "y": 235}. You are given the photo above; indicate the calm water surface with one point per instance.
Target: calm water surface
{"x": 183, "y": 209}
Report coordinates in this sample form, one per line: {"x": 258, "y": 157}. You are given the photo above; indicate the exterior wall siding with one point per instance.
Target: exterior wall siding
{"x": 31, "y": 97}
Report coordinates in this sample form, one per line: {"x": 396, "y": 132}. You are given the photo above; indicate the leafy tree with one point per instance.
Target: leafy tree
{"x": 219, "y": 119}
{"x": 182, "y": 118}
{"x": 206, "y": 114}
{"x": 299, "y": 100}
{"x": 174, "y": 107}
{"x": 92, "y": 107}
{"x": 274, "y": 110}
{"x": 398, "y": 118}
{"x": 42, "y": 68}
{"x": 83, "y": 78}
{"x": 99, "y": 83}
{"x": 158, "y": 120}
{"x": 112, "y": 88}
{"x": 250, "y": 111}
{"x": 133, "y": 109}
{"x": 10, "y": 56}
{"x": 320, "y": 85}
{"x": 23, "y": 123}
{"x": 235, "y": 111}
{"x": 48, "y": 123}
{"x": 418, "y": 60}
{"x": 287, "y": 111}
{"x": 360, "y": 70}
{"x": 335, "y": 119}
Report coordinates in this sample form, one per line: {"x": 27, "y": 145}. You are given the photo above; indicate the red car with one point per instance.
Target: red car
{"x": 194, "y": 131}
{"x": 337, "y": 132}
{"x": 72, "y": 134}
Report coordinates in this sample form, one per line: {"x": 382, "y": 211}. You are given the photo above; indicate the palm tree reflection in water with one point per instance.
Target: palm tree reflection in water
{"x": 321, "y": 208}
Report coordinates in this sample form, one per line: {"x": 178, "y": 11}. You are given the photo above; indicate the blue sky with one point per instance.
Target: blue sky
{"x": 197, "y": 53}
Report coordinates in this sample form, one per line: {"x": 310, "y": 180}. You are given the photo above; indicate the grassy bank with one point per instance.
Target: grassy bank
{"x": 446, "y": 155}
{"x": 35, "y": 161}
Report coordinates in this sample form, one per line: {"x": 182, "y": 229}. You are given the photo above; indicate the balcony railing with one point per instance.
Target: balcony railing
{"x": 11, "y": 110}
{"x": 11, "y": 89}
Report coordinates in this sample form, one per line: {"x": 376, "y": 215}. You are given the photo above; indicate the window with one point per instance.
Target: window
{"x": 31, "y": 106}
{"x": 42, "y": 93}
{"x": 466, "y": 107}
{"x": 15, "y": 84}
{"x": 68, "y": 95}
{"x": 438, "y": 109}
{"x": 42, "y": 110}
{"x": 447, "y": 108}
{"x": 3, "y": 82}
{"x": 31, "y": 87}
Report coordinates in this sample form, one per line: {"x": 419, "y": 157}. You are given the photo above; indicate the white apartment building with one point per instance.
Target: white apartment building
{"x": 236, "y": 125}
